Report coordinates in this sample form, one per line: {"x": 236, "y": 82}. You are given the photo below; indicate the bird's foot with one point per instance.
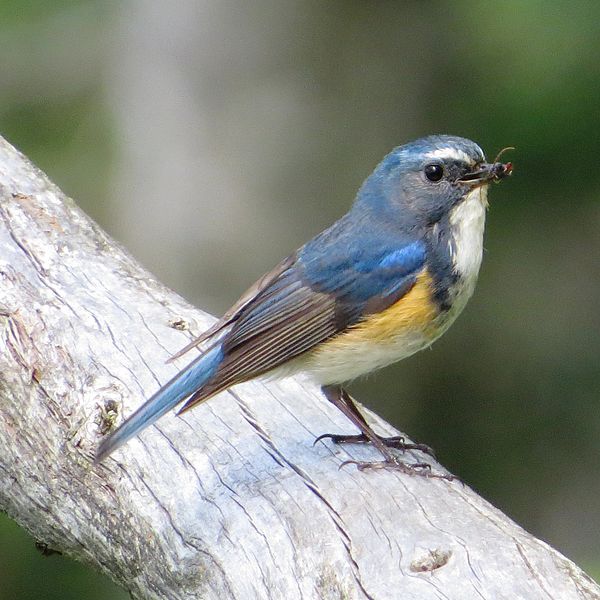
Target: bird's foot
{"x": 396, "y": 441}
{"x": 418, "y": 469}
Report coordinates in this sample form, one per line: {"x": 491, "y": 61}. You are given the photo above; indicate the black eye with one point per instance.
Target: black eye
{"x": 434, "y": 172}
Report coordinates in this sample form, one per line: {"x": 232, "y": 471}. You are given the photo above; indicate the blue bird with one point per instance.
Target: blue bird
{"x": 383, "y": 282}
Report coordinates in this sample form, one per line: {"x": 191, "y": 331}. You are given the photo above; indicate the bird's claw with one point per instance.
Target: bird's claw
{"x": 418, "y": 469}
{"x": 397, "y": 442}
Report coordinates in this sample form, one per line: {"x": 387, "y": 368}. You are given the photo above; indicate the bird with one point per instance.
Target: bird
{"x": 383, "y": 282}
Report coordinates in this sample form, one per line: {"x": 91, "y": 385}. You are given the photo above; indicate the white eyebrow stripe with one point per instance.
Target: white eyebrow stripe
{"x": 449, "y": 153}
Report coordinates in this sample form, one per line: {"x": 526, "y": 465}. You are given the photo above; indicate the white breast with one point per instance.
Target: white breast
{"x": 467, "y": 223}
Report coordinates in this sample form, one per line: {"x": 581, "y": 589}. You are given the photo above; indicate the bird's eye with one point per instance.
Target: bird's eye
{"x": 434, "y": 172}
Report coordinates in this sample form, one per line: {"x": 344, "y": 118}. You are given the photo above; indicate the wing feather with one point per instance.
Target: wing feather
{"x": 272, "y": 341}
{"x": 231, "y": 315}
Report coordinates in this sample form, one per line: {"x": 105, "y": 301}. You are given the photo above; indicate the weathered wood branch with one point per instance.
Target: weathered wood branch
{"x": 231, "y": 500}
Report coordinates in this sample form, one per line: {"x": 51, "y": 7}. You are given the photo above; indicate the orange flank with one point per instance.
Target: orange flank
{"x": 405, "y": 327}
{"x": 415, "y": 310}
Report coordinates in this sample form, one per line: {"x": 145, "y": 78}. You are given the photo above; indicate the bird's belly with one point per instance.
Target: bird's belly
{"x": 406, "y": 327}
{"x": 338, "y": 362}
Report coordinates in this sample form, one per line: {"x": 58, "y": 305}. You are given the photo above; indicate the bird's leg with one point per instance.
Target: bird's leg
{"x": 342, "y": 400}
{"x": 357, "y": 418}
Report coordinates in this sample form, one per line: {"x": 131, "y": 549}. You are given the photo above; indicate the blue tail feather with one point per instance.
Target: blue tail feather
{"x": 185, "y": 383}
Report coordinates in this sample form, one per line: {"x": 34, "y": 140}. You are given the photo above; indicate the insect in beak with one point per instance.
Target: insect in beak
{"x": 487, "y": 172}
{"x": 501, "y": 170}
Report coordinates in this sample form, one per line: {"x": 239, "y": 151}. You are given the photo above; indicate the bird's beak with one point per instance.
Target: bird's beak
{"x": 487, "y": 172}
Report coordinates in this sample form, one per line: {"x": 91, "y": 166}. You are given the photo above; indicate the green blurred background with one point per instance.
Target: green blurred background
{"x": 212, "y": 138}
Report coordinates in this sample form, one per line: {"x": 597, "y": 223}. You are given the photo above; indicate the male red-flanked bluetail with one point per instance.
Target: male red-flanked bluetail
{"x": 384, "y": 281}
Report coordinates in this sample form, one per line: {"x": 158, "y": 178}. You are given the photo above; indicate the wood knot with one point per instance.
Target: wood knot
{"x": 430, "y": 561}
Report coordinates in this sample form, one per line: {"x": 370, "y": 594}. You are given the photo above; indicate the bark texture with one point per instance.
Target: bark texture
{"x": 231, "y": 500}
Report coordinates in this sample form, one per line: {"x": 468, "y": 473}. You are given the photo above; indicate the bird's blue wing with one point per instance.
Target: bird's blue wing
{"x": 366, "y": 276}
{"x": 321, "y": 292}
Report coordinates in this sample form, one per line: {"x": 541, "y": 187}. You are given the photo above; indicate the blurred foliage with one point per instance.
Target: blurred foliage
{"x": 508, "y": 398}
{"x": 58, "y": 135}
{"x": 27, "y": 573}
{"x": 15, "y": 12}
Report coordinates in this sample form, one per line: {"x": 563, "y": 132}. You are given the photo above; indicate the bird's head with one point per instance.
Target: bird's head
{"x": 423, "y": 181}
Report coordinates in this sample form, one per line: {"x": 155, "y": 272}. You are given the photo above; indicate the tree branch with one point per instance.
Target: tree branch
{"x": 231, "y": 500}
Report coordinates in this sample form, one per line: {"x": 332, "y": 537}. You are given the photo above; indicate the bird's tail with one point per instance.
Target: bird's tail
{"x": 186, "y": 382}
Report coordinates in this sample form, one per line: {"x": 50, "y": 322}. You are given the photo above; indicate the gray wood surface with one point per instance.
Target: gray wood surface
{"x": 231, "y": 500}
